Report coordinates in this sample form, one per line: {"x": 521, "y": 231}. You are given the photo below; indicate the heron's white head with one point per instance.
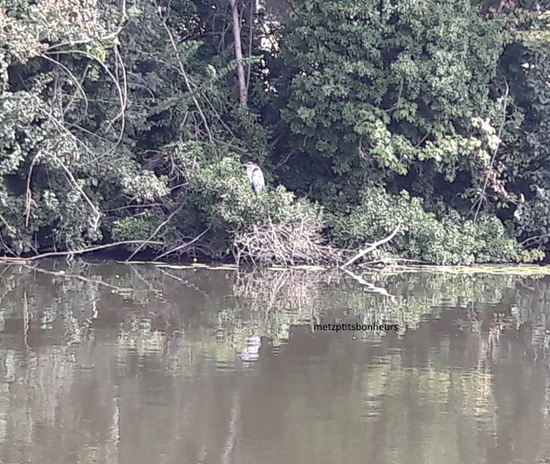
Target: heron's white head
{"x": 250, "y": 167}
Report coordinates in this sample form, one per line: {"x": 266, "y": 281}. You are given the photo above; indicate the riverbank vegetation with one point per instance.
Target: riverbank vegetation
{"x": 128, "y": 122}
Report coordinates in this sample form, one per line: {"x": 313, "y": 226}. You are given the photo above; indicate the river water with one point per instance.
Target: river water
{"x": 108, "y": 363}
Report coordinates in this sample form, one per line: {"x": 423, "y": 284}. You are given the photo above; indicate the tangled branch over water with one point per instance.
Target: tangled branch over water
{"x": 293, "y": 242}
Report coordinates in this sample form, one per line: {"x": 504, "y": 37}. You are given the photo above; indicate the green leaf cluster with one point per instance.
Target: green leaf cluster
{"x": 380, "y": 81}
{"x": 422, "y": 235}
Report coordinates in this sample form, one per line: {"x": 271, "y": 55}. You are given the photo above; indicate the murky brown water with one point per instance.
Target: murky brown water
{"x": 117, "y": 364}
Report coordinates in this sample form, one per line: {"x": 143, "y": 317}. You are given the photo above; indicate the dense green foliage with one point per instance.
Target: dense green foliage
{"x": 384, "y": 85}
{"x": 122, "y": 122}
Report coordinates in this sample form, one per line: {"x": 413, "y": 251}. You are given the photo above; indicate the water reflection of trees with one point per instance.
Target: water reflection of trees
{"x": 70, "y": 342}
{"x": 152, "y": 308}
{"x": 155, "y": 297}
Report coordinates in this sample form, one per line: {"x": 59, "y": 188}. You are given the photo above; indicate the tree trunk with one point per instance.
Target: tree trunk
{"x": 238, "y": 52}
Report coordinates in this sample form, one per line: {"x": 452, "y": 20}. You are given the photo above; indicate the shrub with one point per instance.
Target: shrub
{"x": 424, "y": 236}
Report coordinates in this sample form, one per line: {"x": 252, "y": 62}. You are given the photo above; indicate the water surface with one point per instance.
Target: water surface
{"x": 106, "y": 363}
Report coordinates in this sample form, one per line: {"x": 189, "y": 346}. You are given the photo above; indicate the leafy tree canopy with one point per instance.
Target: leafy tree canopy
{"x": 127, "y": 122}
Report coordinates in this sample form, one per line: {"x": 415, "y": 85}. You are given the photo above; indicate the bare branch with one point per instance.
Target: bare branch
{"x": 371, "y": 247}
{"x": 74, "y": 182}
{"x": 10, "y": 228}
{"x": 250, "y": 38}
{"x": 155, "y": 232}
{"x": 296, "y": 241}
{"x": 180, "y": 247}
{"x": 186, "y": 78}
{"x": 75, "y": 252}
{"x": 78, "y": 85}
{"x": 123, "y": 97}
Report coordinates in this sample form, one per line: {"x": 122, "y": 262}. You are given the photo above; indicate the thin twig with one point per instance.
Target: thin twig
{"x": 28, "y": 192}
{"x": 74, "y": 79}
{"x": 155, "y": 232}
{"x": 64, "y": 129}
{"x": 534, "y": 239}
{"x": 186, "y": 78}
{"x": 123, "y": 97}
{"x": 71, "y": 179}
{"x": 10, "y": 228}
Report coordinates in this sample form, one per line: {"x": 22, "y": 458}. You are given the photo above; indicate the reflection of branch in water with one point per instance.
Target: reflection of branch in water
{"x": 4, "y": 271}
{"x": 281, "y": 290}
{"x": 26, "y": 320}
{"x": 140, "y": 277}
{"x": 111, "y": 444}
{"x": 78, "y": 277}
{"x": 234, "y": 429}
{"x": 370, "y": 287}
{"x": 269, "y": 303}
{"x": 183, "y": 281}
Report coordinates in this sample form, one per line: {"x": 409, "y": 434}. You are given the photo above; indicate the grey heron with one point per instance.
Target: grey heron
{"x": 255, "y": 177}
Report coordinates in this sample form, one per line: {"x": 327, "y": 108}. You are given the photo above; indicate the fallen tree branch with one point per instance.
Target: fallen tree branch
{"x": 371, "y": 247}
{"x": 173, "y": 250}
{"x": 74, "y": 252}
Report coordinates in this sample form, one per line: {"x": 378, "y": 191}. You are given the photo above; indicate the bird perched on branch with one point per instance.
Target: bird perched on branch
{"x": 255, "y": 177}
